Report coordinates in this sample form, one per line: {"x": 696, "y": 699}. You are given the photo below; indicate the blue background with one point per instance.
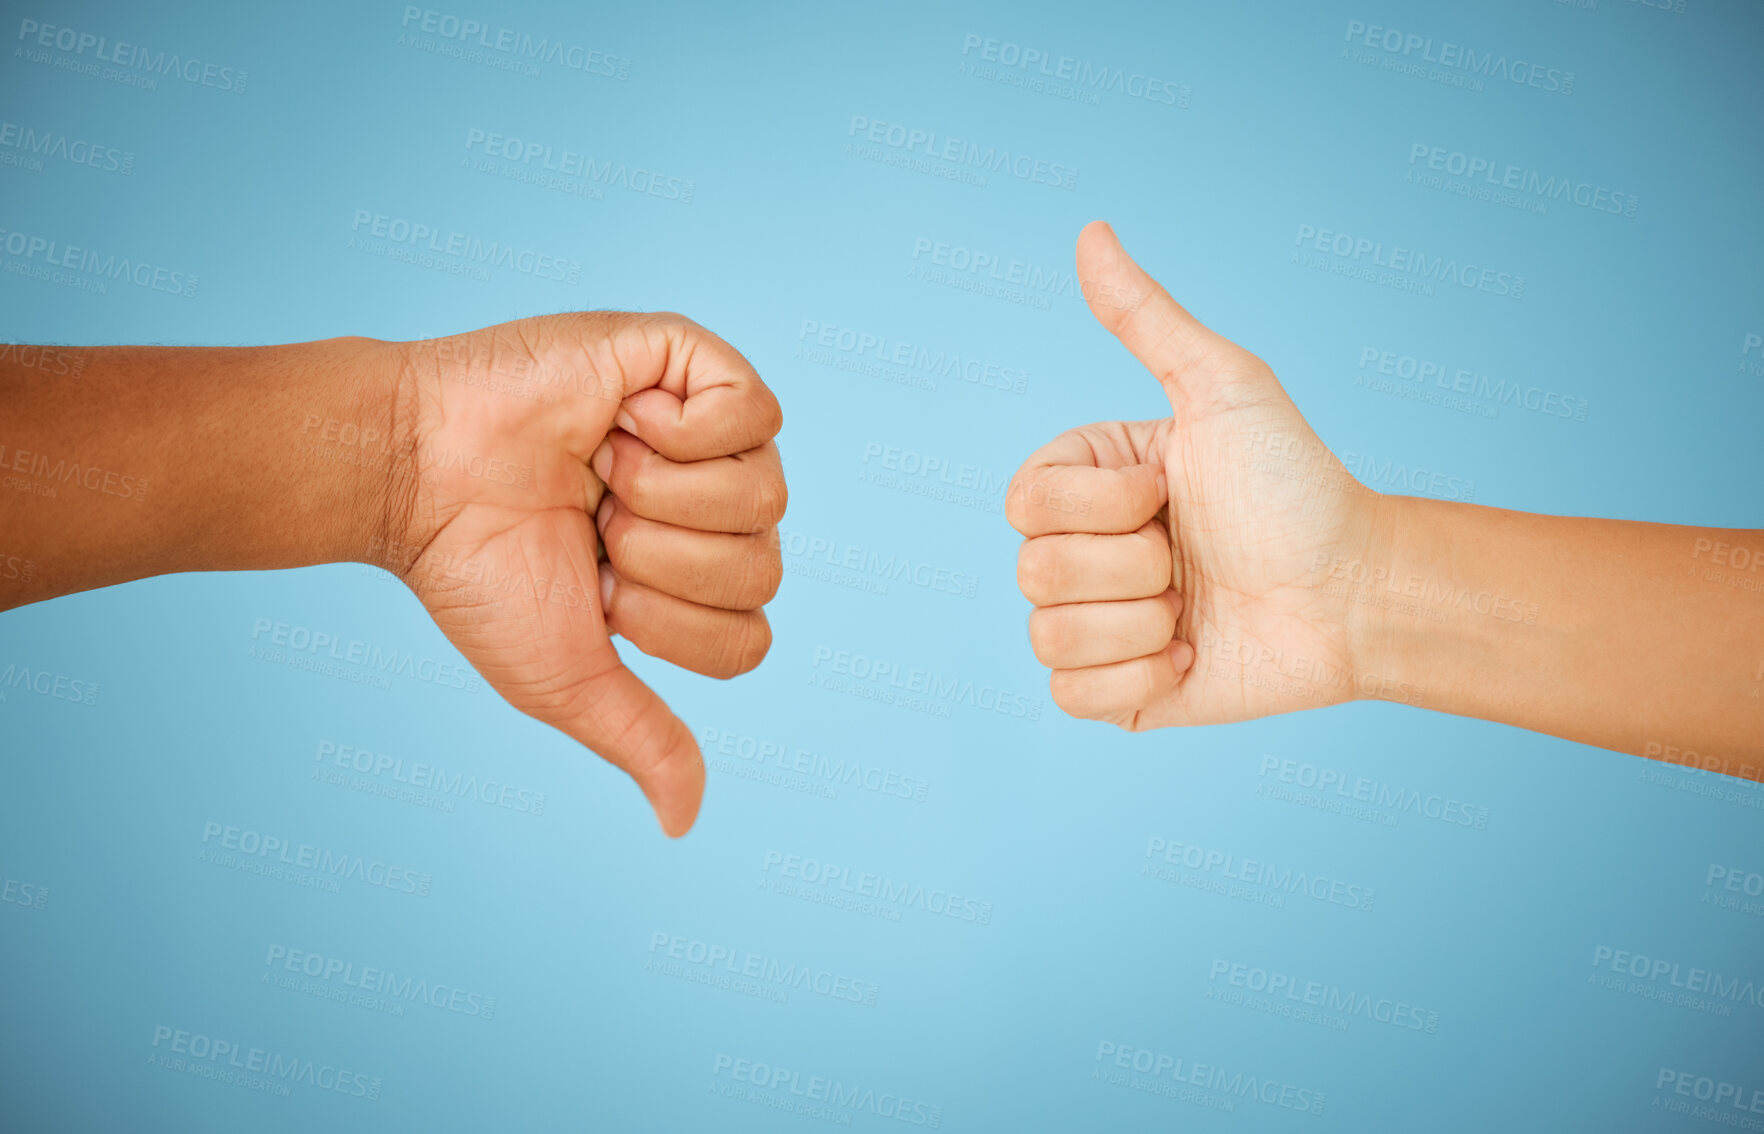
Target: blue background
{"x": 566, "y": 918}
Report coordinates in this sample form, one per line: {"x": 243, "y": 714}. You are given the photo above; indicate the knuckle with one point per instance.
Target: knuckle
{"x": 638, "y": 490}
{"x": 1066, "y": 690}
{"x": 768, "y": 411}
{"x": 1047, "y": 636}
{"x": 1151, "y": 577}
{"x": 770, "y": 577}
{"x": 724, "y": 439}
{"x": 1017, "y": 504}
{"x": 1146, "y": 501}
{"x": 1162, "y": 622}
{"x": 770, "y": 498}
{"x": 756, "y": 578}
{"x": 1152, "y": 565}
{"x": 612, "y": 611}
{"x": 1145, "y": 680}
{"x": 749, "y": 643}
{"x": 1156, "y": 679}
{"x": 1037, "y": 571}
{"x": 618, "y": 535}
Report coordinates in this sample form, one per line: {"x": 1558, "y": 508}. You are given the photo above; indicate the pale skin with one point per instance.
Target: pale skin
{"x": 541, "y": 485}
{"x": 1221, "y": 564}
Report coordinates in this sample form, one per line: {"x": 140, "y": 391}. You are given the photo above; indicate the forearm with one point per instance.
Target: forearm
{"x": 150, "y": 460}
{"x": 1626, "y": 635}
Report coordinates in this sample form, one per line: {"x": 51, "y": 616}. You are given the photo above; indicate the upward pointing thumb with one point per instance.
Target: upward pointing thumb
{"x": 1180, "y": 352}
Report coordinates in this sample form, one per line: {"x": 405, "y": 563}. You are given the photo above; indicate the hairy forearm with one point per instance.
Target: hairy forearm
{"x": 1631, "y": 636}
{"x": 148, "y": 460}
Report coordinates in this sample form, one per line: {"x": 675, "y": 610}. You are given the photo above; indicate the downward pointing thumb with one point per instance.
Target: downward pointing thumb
{"x": 628, "y": 725}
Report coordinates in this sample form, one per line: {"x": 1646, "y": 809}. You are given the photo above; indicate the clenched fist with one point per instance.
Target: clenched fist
{"x": 577, "y": 476}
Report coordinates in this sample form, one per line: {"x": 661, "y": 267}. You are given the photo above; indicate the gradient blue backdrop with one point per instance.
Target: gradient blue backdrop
{"x": 118, "y": 935}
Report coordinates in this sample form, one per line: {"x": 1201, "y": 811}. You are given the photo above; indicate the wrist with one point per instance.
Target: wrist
{"x": 388, "y": 395}
{"x": 1388, "y": 627}
{"x": 298, "y": 452}
{"x": 352, "y": 459}
{"x": 1441, "y": 628}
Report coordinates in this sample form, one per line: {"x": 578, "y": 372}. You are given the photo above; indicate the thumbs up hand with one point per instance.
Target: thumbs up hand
{"x": 1198, "y": 568}
{"x": 565, "y": 478}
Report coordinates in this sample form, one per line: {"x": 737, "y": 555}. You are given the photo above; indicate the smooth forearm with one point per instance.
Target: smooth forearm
{"x": 158, "y": 459}
{"x": 1607, "y": 632}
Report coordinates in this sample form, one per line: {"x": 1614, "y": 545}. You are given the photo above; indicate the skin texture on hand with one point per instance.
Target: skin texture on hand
{"x": 578, "y": 476}
{"x": 1204, "y": 530}
{"x": 540, "y": 485}
{"x": 1229, "y": 529}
